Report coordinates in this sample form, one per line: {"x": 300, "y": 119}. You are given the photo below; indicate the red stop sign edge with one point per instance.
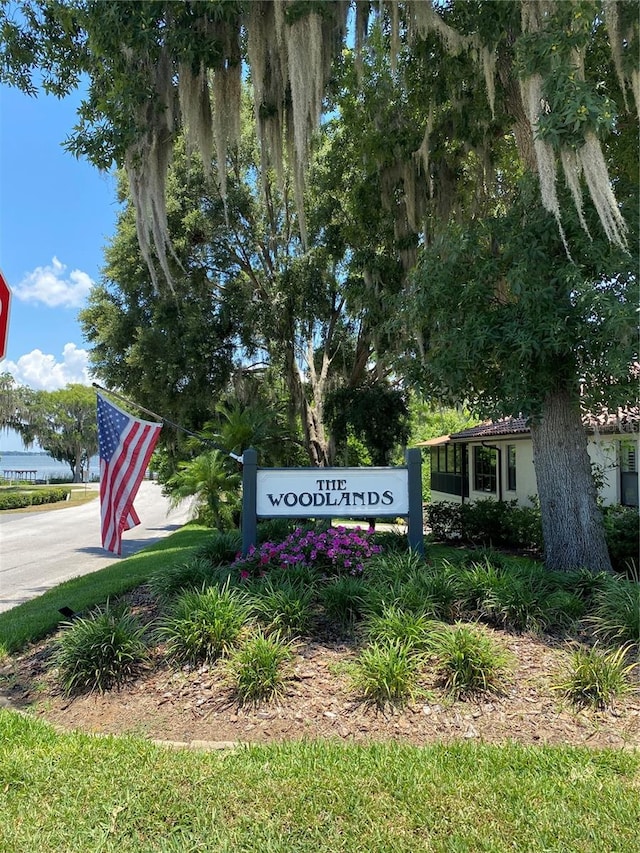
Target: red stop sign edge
{"x": 5, "y": 305}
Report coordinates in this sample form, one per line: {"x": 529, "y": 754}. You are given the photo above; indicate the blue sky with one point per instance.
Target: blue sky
{"x": 56, "y": 215}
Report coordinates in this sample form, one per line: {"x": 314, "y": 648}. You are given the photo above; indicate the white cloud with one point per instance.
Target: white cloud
{"x": 51, "y": 286}
{"x": 42, "y": 372}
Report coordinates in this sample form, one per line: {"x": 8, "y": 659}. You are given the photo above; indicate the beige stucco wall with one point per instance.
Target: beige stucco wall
{"x": 603, "y": 452}
{"x": 526, "y": 486}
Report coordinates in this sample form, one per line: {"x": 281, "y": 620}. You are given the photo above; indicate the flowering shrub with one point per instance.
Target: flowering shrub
{"x": 331, "y": 552}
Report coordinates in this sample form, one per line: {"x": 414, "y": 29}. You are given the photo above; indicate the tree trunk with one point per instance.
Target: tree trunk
{"x": 572, "y": 526}
{"x": 312, "y": 425}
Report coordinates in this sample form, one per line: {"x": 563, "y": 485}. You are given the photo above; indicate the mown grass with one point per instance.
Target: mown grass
{"x": 35, "y": 619}
{"x": 75, "y": 792}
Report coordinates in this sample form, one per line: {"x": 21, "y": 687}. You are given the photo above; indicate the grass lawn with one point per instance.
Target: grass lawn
{"x": 77, "y": 792}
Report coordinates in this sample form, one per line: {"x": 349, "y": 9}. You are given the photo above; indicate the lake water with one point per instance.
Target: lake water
{"x": 43, "y": 464}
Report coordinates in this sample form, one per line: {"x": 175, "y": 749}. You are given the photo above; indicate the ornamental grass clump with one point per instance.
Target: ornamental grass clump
{"x": 468, "y": 661}
{"x": 397, "y": 625}
{"x": 331, "y": 552}
{"x": 387, "y": 672}
{"x": 171, "y": 580}
{"x": 343, "y": 600}
{"x": 258, "y": 668}
{"x": 203, "y": 626}
{"x": 282, "y": 607}
{"x": 595, "y": 678}
{"x": 616, "y": 611}
{"x": 100, "y": 651}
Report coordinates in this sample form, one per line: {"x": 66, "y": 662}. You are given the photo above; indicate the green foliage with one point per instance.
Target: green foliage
{"x": 469, "y": 662}
{"x": 169, "y": 581}
{"x": 377, "y": 415}
{"x": 394, "y": 541}
{"x": 615, "y": 614}
{"x": 597, "y": 678}
{"x": 203, "y": 626}
{"x": 221, "y": 548}
{"x": 100, "y": 651}
{"x": 434, "y": 590}
{"x": 507, "y": 524}
{"x": 622, "y": 529}
{"x": 281, "y": 606}
{"x": 276, "y": 529}
{"x": 520, "y": 600}
{"x": 392, "y": 566}
{"x": 396, "y": 625}
{"x": 486, "y": 522}
{"x": 258, "y": 668}
{"x": 387, "y": 672}
{"x": 214, "y": 485}
{"x": 21, "y": 499}
{"x": 541, "y": 324}
{"x": 343, "y": 600}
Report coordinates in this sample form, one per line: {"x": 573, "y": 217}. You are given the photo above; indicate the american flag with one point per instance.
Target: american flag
{"x": 126, "y": 444}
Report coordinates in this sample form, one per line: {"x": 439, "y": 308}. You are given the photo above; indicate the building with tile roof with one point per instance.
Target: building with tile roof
{"x": 495, "y": 459}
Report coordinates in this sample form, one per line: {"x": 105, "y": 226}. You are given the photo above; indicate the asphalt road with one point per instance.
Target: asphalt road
{"x": 40, "y": 550}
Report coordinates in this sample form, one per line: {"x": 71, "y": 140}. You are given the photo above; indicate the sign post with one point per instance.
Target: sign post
{"x": 5, "y": 302}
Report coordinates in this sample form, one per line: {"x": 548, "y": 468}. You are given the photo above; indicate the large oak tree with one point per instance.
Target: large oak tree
{"x": 481, "y": 70}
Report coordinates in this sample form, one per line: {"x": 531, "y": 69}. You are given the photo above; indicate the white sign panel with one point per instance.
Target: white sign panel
{"x": 315, "y": 492}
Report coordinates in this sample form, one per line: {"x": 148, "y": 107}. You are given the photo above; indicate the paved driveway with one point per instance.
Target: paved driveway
{"x": 40, "y": 550}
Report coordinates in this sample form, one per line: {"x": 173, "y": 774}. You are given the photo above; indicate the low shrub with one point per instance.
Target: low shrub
{"x": 444, "y": 518}
{"x": 100, "y": 651}
{"x": 20, "y": 500}
{"x": 622, "y": 531}
{"x": 486, "y": 522}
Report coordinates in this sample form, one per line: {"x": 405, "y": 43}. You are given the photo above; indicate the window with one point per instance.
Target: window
{"x": 446, "y": 459}
{"x": 484, "y": 469}
{"x": 511, "y": 467}
{"x": 628, "y": 474}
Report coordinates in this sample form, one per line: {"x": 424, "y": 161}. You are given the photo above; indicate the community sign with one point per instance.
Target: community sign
{"x": 318, "y": 492}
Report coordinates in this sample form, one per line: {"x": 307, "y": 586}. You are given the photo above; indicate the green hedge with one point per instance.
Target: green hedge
{"x": 19, "y": 500}
{"x": 486, "y": 522}
{"x": 505, "y": 524}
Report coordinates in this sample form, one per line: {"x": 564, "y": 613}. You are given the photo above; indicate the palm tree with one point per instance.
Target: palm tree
{"x": 216, "y": 489}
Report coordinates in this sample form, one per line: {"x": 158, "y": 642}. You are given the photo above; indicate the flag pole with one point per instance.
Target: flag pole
{"x": 169, "y": 423}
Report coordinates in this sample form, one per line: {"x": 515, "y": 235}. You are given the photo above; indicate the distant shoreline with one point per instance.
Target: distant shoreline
{"x": 23, "y": 453}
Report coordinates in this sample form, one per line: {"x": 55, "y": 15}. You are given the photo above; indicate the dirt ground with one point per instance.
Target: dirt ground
{"x": 196, "y": 706}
